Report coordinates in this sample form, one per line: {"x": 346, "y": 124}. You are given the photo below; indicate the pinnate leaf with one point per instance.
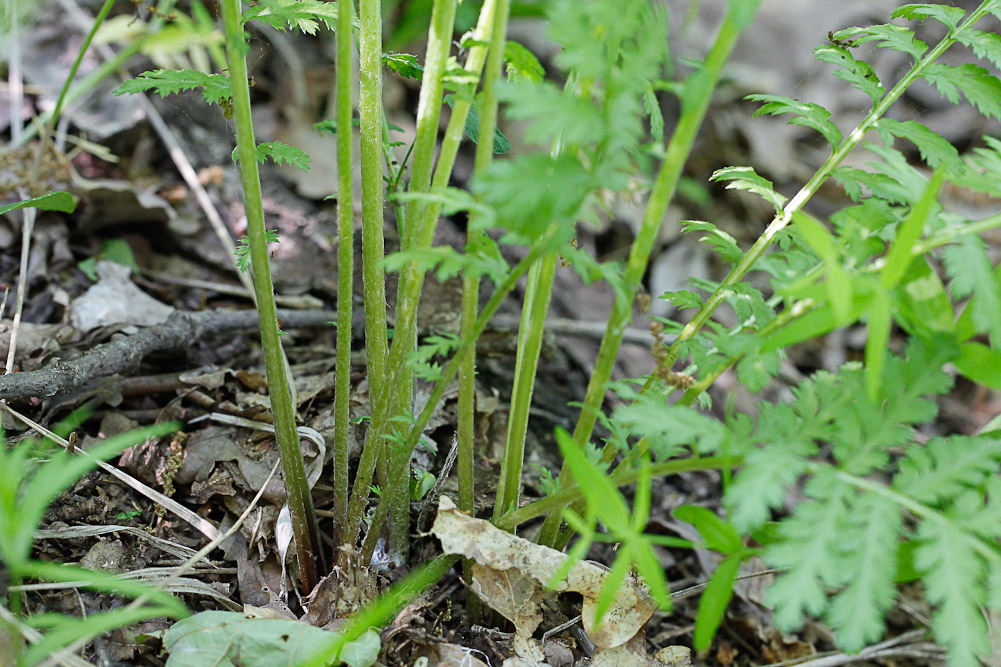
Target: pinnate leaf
{"x": 890, "y": 36}
{"x": 745, "y": 178}
{"x": 806, "y": 114}
{"x": 948, "y": 16}
{"x": 986, "y": 45}
{"x": 978, "y": 86}
{"x": 165, "y": 82}
{"x": 856, "y": 72}
{"x": 301, "y": 15}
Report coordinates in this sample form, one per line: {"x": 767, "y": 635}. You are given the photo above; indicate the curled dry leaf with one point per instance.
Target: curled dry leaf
{"x": 513, "y": 559}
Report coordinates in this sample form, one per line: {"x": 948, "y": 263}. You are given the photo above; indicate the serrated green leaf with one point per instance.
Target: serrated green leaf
{"x": 669, "y": 428}
{"x": 501, "y": 143}
{"x": 53, "y": 201}
{"x": 651, "y": 105}
{"x": 953, "y": 576}
{"x": 745, "y": 178}
{"x": 948, "y": 16}
{"x": 969, "y": 268}
{"x": 302, "y": 15}
{"x": 216, "y": 87}
{"x": 713, "y": 603}
{"x": 857, "y": 611}
{"x": 715, "y": 238}
{"x": 980, "y": 88}
{"x": 404, "y": 64}
{"x": 280, "y": 153}
{"x": 522, "y": 63}
{"x": 986, "y": 45}
{"x": 934, "y": 149}
{"x": 889, "y": 36}
{"x": 858, "y": 73}
{"x": 805, "y": 114}
{"x": 683, "y": 299}
{"x": 945, "y": 467}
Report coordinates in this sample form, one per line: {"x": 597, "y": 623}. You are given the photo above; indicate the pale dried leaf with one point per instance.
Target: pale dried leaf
{"x": 494, "y": 548}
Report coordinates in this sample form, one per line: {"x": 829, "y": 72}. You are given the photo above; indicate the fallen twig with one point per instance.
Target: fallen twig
{"x": 123, "y": 354}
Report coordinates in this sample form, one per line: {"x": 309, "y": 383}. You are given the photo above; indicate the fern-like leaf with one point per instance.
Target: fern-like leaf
{"x": 946, "y": 467}
{"x": 858, "y": 73}
{"x": 969, "y": 267}
{"x": 978, "y": 86}
{"x": 716, "y": 239}
{"x": 953, "y": 578}
{"x": 986, "y": 45}
{"x": 889, "y": 36}
{"x": 280, "y": 153}
{"x": 871, "y": 538}
{"x": 811, "y": 546}
{"x": 947, "y": 16}
{"x": 934, "y": 149}
{"x": 745, "y": 178}
{"x": 301, "y": 15}
{"x": 165, "y": 82}
{"x": 805, "y": 114}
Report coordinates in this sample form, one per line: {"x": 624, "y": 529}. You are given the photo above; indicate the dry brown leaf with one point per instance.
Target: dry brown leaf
{"x": 501, "y": 551}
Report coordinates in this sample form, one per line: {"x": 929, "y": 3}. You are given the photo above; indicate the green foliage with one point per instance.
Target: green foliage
{"x": 113, "y": 250}
{"x": 225, "y": 637}
{"x": 54, "y": 201}
{"x": 27, "y": 487}
{"x": 301, "y": 15}
{"x": 806, "y": 114}
{"x": 215, "y": 87}
{"x": 243, "y": 248}
{"x": 280, "y": 153}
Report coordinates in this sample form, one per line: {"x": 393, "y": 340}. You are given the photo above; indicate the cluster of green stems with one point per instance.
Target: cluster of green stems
{"x": 391, "y": 382}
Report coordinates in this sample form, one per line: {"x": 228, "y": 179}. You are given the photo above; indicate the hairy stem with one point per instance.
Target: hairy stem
{"x": 401, "y": 459}
{"x": 345, "y": 268}
{"x": 300, "y": 503}
{"x": 412, "y": 280}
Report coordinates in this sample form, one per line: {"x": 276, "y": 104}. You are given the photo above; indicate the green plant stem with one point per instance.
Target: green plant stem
{"x": 573, "y": 493}
{"x": 428, "y": 113}
{"x": 300, "y": 503}
{"x": 412, "y": 279}
{"x": 345, "y": 269}
{"x": 695, "y": 101}
{"x": 372, "y": 197}
{"x": 401, "y": 459}
{"x": 531, "y": 329}
{"x": 781, "y": 220}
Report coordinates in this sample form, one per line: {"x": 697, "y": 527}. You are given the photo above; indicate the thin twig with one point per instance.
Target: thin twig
{"x": 123, "y": 354}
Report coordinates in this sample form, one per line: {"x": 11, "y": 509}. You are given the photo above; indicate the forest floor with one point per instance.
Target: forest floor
{"x": 140, "y": 253}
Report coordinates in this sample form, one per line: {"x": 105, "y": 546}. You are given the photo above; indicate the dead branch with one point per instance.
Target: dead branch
{"x": 123, "y": 353}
